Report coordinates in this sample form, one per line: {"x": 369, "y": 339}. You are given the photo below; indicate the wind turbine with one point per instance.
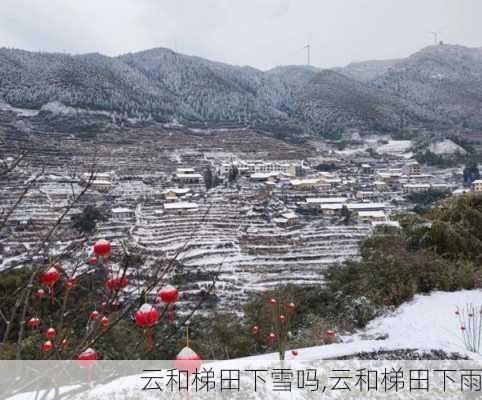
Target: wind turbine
{"x": 436, "y": 35}
{"x": 308, "y": 48}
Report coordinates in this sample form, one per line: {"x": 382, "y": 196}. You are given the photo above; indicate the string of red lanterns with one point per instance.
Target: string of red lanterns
{"x": 279, "y": 332}
{"x": 147, "y": 317}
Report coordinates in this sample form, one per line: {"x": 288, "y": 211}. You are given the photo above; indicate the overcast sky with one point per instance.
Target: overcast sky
{"x": 260, "y": 33}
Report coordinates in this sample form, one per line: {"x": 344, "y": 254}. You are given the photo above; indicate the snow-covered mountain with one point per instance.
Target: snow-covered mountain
{"x": 438, "y": 86}
{"x": 366, "y": 71}
{"x": 331, "y": 102}
{"x": 444, "y": 79}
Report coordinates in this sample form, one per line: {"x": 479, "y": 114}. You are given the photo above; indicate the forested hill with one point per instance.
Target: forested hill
{"x": 440, "y": 86}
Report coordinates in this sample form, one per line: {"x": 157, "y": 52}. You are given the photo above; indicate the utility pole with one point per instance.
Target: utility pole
{"x": 308, "y": 48}
{"x": 435, "y": 37}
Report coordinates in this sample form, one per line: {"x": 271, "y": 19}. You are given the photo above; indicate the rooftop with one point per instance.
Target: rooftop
{"x": 180, "y": 205}
{"x": 326, "y": 200}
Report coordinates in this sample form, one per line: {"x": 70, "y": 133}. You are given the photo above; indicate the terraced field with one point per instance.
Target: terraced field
{"x": 231, "y": 237}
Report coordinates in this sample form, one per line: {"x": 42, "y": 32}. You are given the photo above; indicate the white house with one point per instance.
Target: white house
{"x": 416, "y": 187}
{"x": 331, "y": 209}
{"x": 187, "y": 176}
{"x": 172, "y": 194}
{"x": 413, "y": 168}
{"x": 326, "y": 200}
{"x": 371, "y": 216}
{"x": 477, "y": 185}
{"x": 180, "y": 207}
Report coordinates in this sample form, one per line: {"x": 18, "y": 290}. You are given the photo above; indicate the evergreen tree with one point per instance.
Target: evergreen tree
{"x": 208, "y": 178}
{"x": 471, "y": 172}
{"x": 86, "y": 221}
{"x": 233, "y": 173}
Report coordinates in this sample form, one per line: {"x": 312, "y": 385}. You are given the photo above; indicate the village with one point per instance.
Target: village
{"x": 248, "y": 220}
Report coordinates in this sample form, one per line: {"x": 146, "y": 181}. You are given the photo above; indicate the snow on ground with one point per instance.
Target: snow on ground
{"x": 426, "y": 323}
{"x": 446, "y": 147}
{"x": 23, "y": 112}
{"x": 351, "y": 151}
{"x": 395, "y": 147}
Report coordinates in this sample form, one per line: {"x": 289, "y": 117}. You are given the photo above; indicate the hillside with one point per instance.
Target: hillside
{"x": 444, "y": 79}
{"x": 400, "y": 333}
{"x": 331, "y": 102}
{"x": 438, "y": 87}
{"x": 366, "y": 71}
{"x": 158, "y": 82}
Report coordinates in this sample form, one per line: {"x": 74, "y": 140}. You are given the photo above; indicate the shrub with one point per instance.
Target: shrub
{"x": 390, "y": 273}
{"x": 86, "y": 221}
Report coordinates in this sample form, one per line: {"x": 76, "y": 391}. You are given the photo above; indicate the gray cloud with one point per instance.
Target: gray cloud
{"x": 261, "y": 33}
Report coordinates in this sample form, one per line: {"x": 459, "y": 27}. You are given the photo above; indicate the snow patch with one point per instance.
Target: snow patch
{"x": 446, "y": 146}
{"x": 395, "y": 147}
{"x": 58, "y": 108}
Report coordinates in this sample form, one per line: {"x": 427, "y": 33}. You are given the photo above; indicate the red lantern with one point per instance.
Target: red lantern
{"x": 94, "y": 314}
{"x": 51, "y": 333}
{"x": 273, "y": 302}
{"x": 330, "y": 333}
{"x": 330, "y": 336}
{"x": 87, "y": 360}
{"x": 103, "y": 248}
{"x": 105, "y": 323}
{"x": 282, "y": 319}
{"x": 33, "y": 323}
{"x": 115, "y": 284}
{"x": 147, "y": 317}
{"x": 272, "y": 338}
{"x": 255, "y": 330}
{"x": 111, "y": 284}
{"x": 169, "y": 294}
{"x": 291, "y": 307}
{"x": 40, "y": 294}
{"x": 47, "y": 346}
{"x": 71, "y": 283}
{"x": 92, "y": 261}
{"x": 103, "y": 305}
{"x": 49, "y": 278}
{"x": 188, "y": 361}
{"x": 294, "y": 353}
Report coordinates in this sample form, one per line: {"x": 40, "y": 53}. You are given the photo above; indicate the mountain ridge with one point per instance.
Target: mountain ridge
{"x": 436, "y": 87}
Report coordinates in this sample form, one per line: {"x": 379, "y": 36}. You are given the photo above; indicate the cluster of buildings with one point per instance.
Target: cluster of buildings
{"x": 366, "y": 193}
{"x": 260, "y": 169}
